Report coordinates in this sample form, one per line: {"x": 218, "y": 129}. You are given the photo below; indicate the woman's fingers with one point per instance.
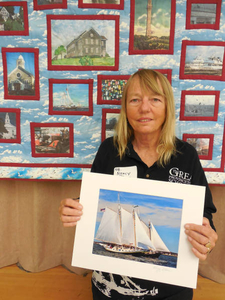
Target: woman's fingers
{"x": 202, "y": 237}
{"x": 70, "y": 211}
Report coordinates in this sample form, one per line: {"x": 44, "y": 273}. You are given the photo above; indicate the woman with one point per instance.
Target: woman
{"x": 145, "y": 146}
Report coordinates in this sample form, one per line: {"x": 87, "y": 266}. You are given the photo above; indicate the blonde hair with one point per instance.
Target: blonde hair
{"x": 124, "y": 132}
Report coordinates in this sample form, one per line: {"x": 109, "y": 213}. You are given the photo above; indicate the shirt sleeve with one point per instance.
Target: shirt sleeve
{"x": 103, "y": 158}
{"x": 98, "y": 161}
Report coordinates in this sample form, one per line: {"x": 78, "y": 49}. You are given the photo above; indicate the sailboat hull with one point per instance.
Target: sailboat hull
{"x": 149, "y": 254}
{"x": 129, "y": 250}
{"x": 122, "y": 249}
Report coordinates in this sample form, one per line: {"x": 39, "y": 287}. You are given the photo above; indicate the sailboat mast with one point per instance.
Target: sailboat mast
{"x": 64, "y": 98}
{"x": 135, "y": 237}
{"x": 149, "y": 227}
{"x": 67, "y": 94}
{"x": 120, "y": 219}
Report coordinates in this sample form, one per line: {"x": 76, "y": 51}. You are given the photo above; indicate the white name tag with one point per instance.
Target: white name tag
{"x": 126, "y": 171}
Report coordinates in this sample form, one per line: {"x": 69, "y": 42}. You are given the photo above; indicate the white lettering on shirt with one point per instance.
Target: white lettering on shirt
{"x": 179, "y": 176}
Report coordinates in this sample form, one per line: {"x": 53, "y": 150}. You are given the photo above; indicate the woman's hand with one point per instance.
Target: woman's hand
{"x": 70, "y": 211}
{"x": 202, "y": 237}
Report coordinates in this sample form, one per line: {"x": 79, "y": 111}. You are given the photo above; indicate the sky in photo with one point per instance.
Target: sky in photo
{"x": 28, "y": 58}
{"x": 200, "y": 99}
{"x": 160, "y": 17}
{"x": 203, "y": 52}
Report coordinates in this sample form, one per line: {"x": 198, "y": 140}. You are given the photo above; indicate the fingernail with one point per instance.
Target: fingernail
{"x": 190, "y": 239}
{"x": 186, "y": 226}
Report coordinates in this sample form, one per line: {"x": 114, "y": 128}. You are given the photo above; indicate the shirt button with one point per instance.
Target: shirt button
{"x": 147, "y": 175}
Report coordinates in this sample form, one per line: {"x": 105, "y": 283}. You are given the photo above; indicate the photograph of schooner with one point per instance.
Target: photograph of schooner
{"x": 70, "y": 97}
{"x": 125, "y": 226}
{"x": 167, "y": 205}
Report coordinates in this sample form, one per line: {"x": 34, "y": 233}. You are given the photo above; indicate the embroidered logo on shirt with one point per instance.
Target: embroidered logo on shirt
{"x": 179, "y": 176}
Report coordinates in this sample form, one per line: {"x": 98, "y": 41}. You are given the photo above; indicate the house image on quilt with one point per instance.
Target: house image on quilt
{"x": 201, "y": 14}
{"x": 88, "y": 43}
{"x": 5, "y": 16}
{"x": 20, "y": 80}
{"x": 4, "y": 13}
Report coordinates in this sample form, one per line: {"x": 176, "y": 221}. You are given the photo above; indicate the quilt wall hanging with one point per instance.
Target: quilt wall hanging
{"x": 63, "y": 65}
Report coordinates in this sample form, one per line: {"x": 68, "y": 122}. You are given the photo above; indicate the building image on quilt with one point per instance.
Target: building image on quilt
{"x": 87, "y": 43}
{"x": 20, "y": 81}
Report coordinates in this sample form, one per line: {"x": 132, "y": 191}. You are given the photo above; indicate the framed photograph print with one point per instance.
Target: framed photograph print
{"x": 152, "y": 25}
{"x": 51, "y": 139}
{"x": 109, "y": 120}
{"x": 203, "y": 14}
{"x": 106, "y": 4}
{"x": 151, "y": 242}
{"x": 93, "y": 46}
{"x": 49, "y": 4}
{"x": 71, "y": 97}
{"x": 199, "y": 105}
{"x": 202, "y": 60}
{"x": 203, "y": 143}
{"x": 14, "y": 18}
{"x": 110, "y": 88}
{"x": 21, "y": 73}
{"x": 10, "y": 125}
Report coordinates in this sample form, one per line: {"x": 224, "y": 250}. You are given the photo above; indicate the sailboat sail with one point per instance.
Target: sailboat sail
{"x": 126, "y": 229}
{"x": 141, "y": 235}
{"x": 157, "y": 241}
{"x": 155, "y": 237}
{"x": 67, "y": 99}
{"x": 109, "y": 228}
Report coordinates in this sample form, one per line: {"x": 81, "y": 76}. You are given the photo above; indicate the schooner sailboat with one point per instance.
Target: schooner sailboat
{"x": 71, "y": 101}
{"x": 124, "y": 232}
{"x": 67, "y": 101}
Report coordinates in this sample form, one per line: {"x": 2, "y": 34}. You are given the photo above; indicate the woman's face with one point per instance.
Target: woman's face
{"x": 146, "y": 111}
